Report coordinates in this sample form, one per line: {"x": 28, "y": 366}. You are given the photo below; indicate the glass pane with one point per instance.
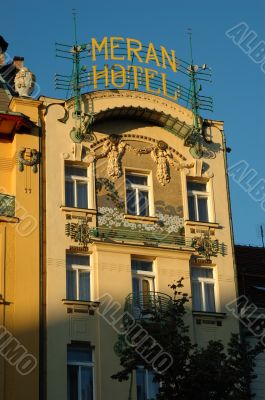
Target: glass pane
{"x": 197, "y": 296}
{"x": 141, "y": 387}
{"x": 72, "y": 382}
{"x": 202, "y": 273}
{"x": 192, "y": 213}
{"x": 79, "y": 354}
{"x": 153, "y": 387}
{"x": 81, "y": 188}
{"x": 146, "y": 287}
{"x": 75, "y": 171}
{"x": 77, "y": 260}
{"x": 142, "y": 265}
{"x": 86, "y": 383}
{"x": 136, "y": 286}
{"x": 71, "y": 285}
{"x": 84, "y": 285}
{"x": 209, "y": 297}
{"x": 146, "y": 295}
{"x": 143, "y": 203}
{"x": 198, "y": 186}
{"x": 69, "y": 194}
{"x": 136, "y": 179}
{"x": 131, "y": 201}
{"x": 136, "y": 298}
{"x": 203, "y": 209}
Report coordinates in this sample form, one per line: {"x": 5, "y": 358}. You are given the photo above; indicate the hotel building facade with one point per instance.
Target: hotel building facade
{"x": 128, "y": 209}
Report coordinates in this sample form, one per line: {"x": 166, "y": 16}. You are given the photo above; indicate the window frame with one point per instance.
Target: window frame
{"x": 80, "y": 364}
{"x": 77, "y": 268}
{"x": 146, "y": 388}
{"x": 74, "y": 179}
{"x": 199, "y": 194}
{"x": 204, "y": 281}
{"x": 141, "y": 275}
{"x": 147, "y": 188}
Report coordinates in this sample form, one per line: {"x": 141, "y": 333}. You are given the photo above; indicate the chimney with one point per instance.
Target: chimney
{"x": 18, "y": 62}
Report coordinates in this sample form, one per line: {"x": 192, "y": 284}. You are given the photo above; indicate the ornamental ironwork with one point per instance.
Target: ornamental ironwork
{"x": 205, "y": 246}
{"x": 78, "y": 231}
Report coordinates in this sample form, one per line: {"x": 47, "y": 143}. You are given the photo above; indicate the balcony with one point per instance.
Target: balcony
{"x": 149, "y": 306}
{"x": 154, "y": 239}
{"x": 7, "y": 205}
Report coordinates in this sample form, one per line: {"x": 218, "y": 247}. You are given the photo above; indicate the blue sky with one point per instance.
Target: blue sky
{"x": 238, "y": 83}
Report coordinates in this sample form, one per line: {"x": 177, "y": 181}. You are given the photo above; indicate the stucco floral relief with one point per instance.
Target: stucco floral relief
{"x": 112, "y": 217}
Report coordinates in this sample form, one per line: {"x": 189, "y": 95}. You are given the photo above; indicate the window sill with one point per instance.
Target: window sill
{"x": 140, "y": 218}
{"x": 4, "y": 218}
{"x": 79, "y": 210}
{"x": 80, "y": 306}
{"x": 200, "y": 223}
{"x": 216, "y": 315}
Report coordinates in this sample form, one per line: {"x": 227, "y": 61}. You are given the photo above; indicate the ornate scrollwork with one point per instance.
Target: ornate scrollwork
{"x": 78, "y": 231}
{"x": 205, "y": 246}
{"x": 32, "y": 161}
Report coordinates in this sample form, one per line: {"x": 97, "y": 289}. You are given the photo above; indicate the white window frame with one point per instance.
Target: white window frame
{"x": 203, "y": 281}
{"x": 77, "y": 268}
{"x": 79, "y": 364}
{"x": 196, "y": 194}
{"x": 147, "y": 188}
{"x": 147, "y": 393}
{"x": 75, "y": 179}
{"x": 144, "y": 275}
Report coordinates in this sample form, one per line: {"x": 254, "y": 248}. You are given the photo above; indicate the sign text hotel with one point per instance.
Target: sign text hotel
{"x": 124, "y": 54}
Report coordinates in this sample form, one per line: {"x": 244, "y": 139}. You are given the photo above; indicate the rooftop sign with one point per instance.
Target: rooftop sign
{"x": 124, "y": 63}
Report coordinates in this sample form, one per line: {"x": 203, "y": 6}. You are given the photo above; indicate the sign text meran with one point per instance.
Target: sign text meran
{"x": 123, "y": 55}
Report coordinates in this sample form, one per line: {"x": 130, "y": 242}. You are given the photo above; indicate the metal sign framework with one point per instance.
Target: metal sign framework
{"x": 131, "y": 75}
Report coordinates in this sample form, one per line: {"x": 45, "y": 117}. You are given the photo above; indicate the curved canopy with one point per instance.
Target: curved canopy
{"x": 174, "y": 125}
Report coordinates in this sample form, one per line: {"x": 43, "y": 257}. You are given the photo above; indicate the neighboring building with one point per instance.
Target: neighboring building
{"x": 127, "y": 211}
{"x": 19, "y": 246}
{"x": 251, "y": 284}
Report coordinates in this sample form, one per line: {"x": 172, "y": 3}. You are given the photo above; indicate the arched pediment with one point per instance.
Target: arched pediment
{"x": 129, "y": 104}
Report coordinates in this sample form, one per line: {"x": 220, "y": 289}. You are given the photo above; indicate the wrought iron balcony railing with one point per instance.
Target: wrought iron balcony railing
{"x": 148, "y": 306}
{"x": 7, "y": 205}
{"x": 146, "y": 237}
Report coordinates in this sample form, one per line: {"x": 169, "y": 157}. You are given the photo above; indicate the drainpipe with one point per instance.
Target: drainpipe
{"x": 42, "y": 271}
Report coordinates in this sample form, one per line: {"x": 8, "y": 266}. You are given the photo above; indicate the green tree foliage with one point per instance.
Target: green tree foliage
{"x": 212, "y": 373}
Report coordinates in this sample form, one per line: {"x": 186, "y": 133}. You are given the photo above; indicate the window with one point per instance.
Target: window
{"x": 137, "y": 194}
{"x": 78, "y": 277}
{"x": 76, "y": 187}
{"x": 143, "y": 284}
{"x": 79, "y": 373}
{"x": 147, "y": 389}
{"x": 143, "y": 277}
{"x": 198, "y": 201}
{"x": 203, "y": 292}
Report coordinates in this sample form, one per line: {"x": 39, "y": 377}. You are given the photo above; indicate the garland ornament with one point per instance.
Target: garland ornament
{"x": 33, "y": 160}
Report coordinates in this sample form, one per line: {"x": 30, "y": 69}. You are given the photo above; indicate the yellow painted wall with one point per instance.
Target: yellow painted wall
{"x": 19, "y": 257}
